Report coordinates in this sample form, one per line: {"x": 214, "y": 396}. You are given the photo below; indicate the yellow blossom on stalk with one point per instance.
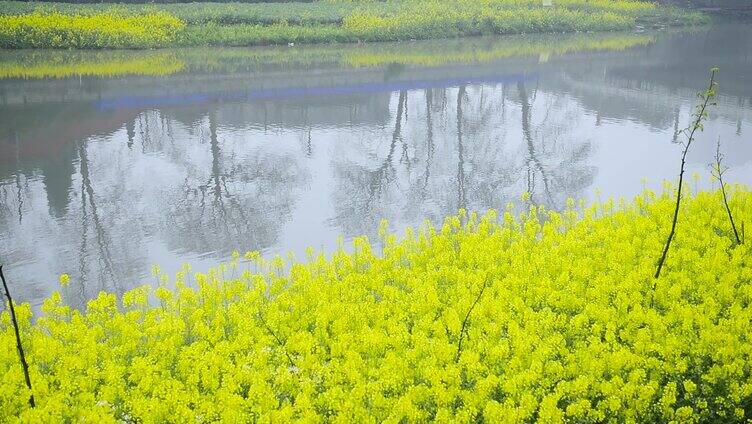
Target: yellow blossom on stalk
{"x": 64, "y": 280}
{"x": 529, "y": 316}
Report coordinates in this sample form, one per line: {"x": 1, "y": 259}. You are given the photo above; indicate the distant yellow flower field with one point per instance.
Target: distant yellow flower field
{"x": 103, "y": 30}
{"x": 31, "y": 24}
{"x": 513, "y": 317}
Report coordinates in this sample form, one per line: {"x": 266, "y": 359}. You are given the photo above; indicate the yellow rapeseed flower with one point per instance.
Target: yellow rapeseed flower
{"x": 523, "y": 316}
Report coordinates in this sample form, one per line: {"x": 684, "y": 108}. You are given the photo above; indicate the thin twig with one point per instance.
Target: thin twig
{"x": 279, "y": 341}
{"x": 718, "y": 172}
{"x": 21, "y": 355}
{"x": 463, "y": 330}
{"x": 697, "y": 124}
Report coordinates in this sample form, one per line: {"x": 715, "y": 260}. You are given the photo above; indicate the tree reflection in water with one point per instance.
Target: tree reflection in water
{"x": 241, "y": 202}
{"x": 475, "y": 164}
{"x": 103, "y": 177}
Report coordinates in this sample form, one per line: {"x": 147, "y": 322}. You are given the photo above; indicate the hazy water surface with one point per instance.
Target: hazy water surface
{"x": 111, "y": 162}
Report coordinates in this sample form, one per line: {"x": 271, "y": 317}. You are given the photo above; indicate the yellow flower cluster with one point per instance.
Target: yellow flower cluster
{"x": 426, "y": 19}
{"x": 66, "y": 25}
{"x": 509, "y": 317}
{"x": 103, "y": 30}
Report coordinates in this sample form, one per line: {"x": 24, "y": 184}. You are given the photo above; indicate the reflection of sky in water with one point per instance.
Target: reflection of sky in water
{"x": 103, "y": 178}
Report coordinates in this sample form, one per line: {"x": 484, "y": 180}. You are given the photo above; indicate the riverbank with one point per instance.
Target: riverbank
{"x": 59, "y": 64}
{"x": 533, "y": 316}
{"x": 108, "y": 25}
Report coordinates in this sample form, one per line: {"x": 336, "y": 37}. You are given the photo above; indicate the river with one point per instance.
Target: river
{"x": 112, "y": 162}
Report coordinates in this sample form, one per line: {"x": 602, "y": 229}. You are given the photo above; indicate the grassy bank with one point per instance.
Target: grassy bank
{"x": 244, "y": 24}
{"x": 530, "y": 317}
{"x": 33, "y": 64}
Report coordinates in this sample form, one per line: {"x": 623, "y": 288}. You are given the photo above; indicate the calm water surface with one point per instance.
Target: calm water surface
{"x": 111, "y": 162}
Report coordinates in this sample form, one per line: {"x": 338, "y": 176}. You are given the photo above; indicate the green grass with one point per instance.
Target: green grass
{"x": 295, "y": 13}
{"x": 244, "y": 24}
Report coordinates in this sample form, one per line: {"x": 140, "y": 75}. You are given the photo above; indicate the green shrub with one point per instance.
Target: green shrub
{"x": 259, "y": 35}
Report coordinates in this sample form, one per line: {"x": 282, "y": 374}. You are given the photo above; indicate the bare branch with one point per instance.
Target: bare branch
{"x": 279, "y": 341}
{"x": 717, "y": 171}
{"x": 21, "y": 355}
{"x": 465, "y": 322}
{"x": 690, "y": 131}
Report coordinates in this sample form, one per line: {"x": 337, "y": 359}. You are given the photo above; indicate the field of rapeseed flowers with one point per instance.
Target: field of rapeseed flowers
{"x": 103, "y": 30}
{"x": 531, "y": 316}
{"x": 33, "y": 24}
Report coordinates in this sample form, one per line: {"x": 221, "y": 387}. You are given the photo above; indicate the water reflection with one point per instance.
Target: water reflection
{"x": 230, "y": 194}
{"x": 103, "y": 174}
